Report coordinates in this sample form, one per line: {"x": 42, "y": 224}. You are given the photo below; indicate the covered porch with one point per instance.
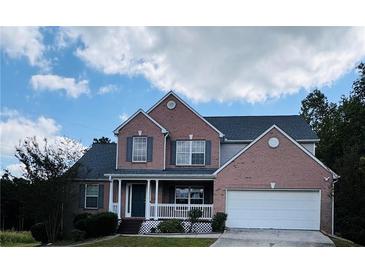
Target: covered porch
{"x": 159, "y": 199}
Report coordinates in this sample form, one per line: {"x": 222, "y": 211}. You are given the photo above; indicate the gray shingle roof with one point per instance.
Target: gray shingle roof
{"x": 100, "y": 160}
{"x": 97, "y": 161}
{"x": 250, "y": 127}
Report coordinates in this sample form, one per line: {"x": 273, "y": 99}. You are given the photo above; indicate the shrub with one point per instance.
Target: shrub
{"x": 171, "y": 226}
{"x": 11, "y": 238}
{"x": 80, "y": 221}
{"x": 194, "y": 216}
{"x": 78, "y": 235}
{"x": 101, "y": 224}
{"x": 219, "y": 222}
{"x": 39, "y": 232}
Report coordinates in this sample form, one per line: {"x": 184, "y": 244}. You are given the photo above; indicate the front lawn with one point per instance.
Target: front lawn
{"x": 137, "y": 241}
{"x": 16, "y": 238}
{"x": 340, "y": 242}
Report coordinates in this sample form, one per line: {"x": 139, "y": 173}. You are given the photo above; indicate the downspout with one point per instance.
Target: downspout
{"x": 116, "y": 154}
{"x": 164, "y": 151}
{"x": 333, "y": 206}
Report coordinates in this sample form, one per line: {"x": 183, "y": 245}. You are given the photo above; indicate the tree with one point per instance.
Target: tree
{"x": 194, "y": 216}
{"x": 102, "y": 140}
{"x": 15, "y": 196}
{"x": 48, "y": 170}
{"x": 341, "y": 128}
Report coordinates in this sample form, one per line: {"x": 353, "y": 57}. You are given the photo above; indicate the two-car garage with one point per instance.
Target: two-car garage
{"x": 277, "y": 209}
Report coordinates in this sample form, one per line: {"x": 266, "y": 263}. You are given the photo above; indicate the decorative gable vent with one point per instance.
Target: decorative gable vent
{"x": 171, "y": 104}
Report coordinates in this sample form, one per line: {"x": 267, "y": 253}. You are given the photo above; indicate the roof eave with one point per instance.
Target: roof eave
{"x": 116, "y": 131}
{"x": 161, "y": 176}
{"x": 189, "y": 107}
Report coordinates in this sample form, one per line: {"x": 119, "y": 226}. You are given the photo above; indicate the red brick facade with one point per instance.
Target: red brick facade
{"x": 180, "y": 123}
{"x": 148, "y": 128}
{"x": 287, "y": 165}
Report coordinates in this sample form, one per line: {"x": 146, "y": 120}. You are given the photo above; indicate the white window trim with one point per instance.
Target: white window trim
{"x": 97, "y": 196}
{"x": 190, "y": 187}
{"x": 190, "y": 152}
{"x": 139, "y": 137}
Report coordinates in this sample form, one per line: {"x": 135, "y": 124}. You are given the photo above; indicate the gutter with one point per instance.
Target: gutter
{"x": 162, "y": 176}
{"x": 333, "y": 204}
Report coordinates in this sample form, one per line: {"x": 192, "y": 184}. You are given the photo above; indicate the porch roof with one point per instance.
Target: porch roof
{"x": 172, "y": 173}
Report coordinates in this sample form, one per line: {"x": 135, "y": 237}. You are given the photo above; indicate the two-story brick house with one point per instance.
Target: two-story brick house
{"x": 260, "y": 170}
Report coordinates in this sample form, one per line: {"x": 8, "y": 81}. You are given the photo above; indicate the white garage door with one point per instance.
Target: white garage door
{"x": 274, "y": 209}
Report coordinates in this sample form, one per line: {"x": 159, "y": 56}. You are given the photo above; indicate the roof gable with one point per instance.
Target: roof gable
{"x": 334, "y": 175}
{"x": 189, "y": 107}
{"x": 140, "y": 111}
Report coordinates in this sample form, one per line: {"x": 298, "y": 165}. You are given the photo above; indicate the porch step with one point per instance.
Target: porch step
{"x": 130, "y": 225}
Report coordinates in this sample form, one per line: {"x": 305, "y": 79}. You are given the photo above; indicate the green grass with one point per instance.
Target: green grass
{"x": 16, "y": 238}
{"x": 341, "y": 242}
{"x": 135, "y": 241}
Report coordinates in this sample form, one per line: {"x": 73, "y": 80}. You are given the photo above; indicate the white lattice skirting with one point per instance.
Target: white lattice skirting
{"x": 200, "y": 227}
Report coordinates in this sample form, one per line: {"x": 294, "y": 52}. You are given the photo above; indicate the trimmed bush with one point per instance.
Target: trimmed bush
{"x": 39, "y": 232}
{"x": 101, "y": 224}
{"x": 219, "y": 222}
{"x": 78, "y": 235}
{"x": 171, "y": 226}
{"x": 95, "y": 225}
{"x": 80, "y": 221}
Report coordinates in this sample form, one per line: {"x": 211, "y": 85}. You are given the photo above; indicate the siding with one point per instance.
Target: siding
{"x": 229, "y": 150}
{"x": 310, "y": 147}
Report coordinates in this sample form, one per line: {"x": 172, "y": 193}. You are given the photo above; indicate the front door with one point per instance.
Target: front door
{"x": 138, "y": 200}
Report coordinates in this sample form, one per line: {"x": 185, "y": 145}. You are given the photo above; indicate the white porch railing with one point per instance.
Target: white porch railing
{"x": 180, "y": 211}
{"x": 115, "y": 208}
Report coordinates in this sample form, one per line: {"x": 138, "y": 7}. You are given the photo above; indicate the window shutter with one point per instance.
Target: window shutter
{"x": 149, "y": 149}
{"x": 173, "y": 153}
{"x": 101, "y": 196}
{"x": 129, "y": 149}
{"x": 82, "y": 196}
{"x": 208, "y": 145}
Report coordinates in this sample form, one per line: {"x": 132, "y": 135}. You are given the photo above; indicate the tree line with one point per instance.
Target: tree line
{"x": 341, "y": 129}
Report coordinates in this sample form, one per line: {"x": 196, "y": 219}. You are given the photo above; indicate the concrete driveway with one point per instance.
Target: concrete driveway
{"x": 272, "y": 237}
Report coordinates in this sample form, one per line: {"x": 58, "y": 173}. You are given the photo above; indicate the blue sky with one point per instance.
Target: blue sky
{"x": 89, "y": 114}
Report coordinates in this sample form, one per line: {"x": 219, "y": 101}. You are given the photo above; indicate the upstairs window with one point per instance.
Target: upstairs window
{"x": 190, "y": 153}
{"x": 139, "y": 153}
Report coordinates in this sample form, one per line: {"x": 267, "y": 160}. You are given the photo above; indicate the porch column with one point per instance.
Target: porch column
{"x": 156, "y": 200}
{"x": 110, "y": 195}
{"x": 119, "y": 198}
{"x": 148, "y": 191}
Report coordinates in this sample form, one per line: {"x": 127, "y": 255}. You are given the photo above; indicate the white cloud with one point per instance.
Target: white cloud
{"x": 16, "y": 127}
{"x": 58, "y": 83}
{"x": 107, "y": 89}
{"x": 246, "y": 63}
{"x": 123, "y": 117}
{"x": 26, "y": 42}
{"x": 16, "y": 170}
